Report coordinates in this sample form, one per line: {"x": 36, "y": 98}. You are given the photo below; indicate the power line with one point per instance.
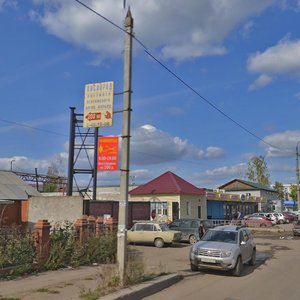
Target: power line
{"x": 32, "y": 127}
{"x": 186, "y": 84}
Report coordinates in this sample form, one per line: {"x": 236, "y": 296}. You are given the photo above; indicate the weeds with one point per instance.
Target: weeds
{"x": 17, "y": 251}
{"x": 45, "y": 290}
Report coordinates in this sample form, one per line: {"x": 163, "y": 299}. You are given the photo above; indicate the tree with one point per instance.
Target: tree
{"x": 278, "y": 187}
{"x": 258, "y": 170}
{"x": 293, "y": 192}
{"x": 52, "y": 172}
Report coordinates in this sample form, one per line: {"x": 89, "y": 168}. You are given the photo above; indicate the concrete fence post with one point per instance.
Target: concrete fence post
{"x": 42, "y": 236}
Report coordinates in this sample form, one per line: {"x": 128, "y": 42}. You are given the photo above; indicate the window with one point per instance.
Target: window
{"x": 188, "y": 208}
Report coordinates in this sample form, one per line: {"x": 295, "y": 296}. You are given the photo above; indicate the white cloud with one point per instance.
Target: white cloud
{"x": 281, "y": 59}
{"x": 152, "y": 146}
{"x": 261, "y": 81}
{"x": 221, "y": 174}
{"x": 24, "y": 164}
{"x": 247, "y": 29}
{"x": 179, "y": 29}
{"x": 284, "y": 144}
{"x": 8, "y": 3}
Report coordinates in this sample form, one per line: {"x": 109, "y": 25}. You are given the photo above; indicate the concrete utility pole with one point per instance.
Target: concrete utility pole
{"x": 297, "y": 174}
{"x": 123, "y": 203}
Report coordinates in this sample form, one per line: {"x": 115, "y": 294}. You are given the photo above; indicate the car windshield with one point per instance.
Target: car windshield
{"x": 220, "y": 236}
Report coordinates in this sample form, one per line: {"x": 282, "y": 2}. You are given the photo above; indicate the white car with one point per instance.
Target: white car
{"x": 281, "y": 218}
{"x": 224, "y": 248}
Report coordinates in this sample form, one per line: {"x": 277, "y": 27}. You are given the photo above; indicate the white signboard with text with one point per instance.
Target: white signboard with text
{"x": 98, "y": 104}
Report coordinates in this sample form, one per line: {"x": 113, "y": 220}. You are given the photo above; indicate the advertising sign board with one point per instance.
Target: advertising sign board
{"x": 108, "y": 153}
{"x": 98, "y": 104}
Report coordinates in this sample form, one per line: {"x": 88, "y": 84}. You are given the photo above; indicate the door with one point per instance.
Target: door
{"x": 175, "y": 211}
{"x": 245, "y": 244}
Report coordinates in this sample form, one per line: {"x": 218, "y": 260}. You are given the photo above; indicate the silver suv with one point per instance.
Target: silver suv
{"x": 224, "y": 248}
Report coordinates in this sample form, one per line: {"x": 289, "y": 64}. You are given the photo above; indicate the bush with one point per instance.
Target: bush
{"x": 16, "y": 248}
{"x": 67, "y": 250}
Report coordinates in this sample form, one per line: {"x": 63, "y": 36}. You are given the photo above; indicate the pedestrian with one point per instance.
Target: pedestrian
{"x": 201, "y": 230}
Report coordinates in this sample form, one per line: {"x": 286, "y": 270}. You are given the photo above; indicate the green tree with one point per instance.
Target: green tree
{"x": 258, "y": 170}
{"x": 293, "y": 192}
{"x": 278, "y": 187}
{"x": 52, "y": 173}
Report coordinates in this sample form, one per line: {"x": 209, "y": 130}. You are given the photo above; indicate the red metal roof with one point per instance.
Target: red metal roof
{"x": 167, "y": 183}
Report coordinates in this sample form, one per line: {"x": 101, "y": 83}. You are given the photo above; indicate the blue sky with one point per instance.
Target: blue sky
{"x": 241, "y": 56}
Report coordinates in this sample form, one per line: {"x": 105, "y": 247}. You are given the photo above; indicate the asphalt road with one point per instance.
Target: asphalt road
{"x": 275, "y": 275}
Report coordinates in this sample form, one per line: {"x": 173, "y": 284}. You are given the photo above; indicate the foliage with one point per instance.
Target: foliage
{"x": 16, "y": 249}
{"x": 258, "y": 170}
{"x": 278, "y": 187}
{"x": 293, "y": 192}
{"x": 52, "y": 172}
{"x": 62, "y": 246}
{"x": 67, "y": 250}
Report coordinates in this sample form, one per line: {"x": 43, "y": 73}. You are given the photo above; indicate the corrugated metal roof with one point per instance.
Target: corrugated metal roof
{"x": 14, "y": 188}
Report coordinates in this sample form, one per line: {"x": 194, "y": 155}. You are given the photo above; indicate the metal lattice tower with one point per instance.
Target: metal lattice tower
{"x": 83, "y": 144}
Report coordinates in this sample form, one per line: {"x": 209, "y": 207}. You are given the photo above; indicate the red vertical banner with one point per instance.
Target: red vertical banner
{"x": 108, "y": 151}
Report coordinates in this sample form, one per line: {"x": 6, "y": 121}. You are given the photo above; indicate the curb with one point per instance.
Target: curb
{"x": 145, "y": 289}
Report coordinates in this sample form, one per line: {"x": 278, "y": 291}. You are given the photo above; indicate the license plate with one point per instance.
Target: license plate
{"x": 208, "y": 260}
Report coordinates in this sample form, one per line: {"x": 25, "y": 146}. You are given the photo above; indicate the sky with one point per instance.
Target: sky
{"x": 224, "y": 85}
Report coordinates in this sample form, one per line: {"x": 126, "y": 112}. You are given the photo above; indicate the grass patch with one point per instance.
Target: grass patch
{"x": 48, "y": 291}
{"x": 9, "y": 298}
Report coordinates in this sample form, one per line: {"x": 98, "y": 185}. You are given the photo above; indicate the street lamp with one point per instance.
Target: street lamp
{"x": 297, "y": 173}
{"x": 11, "y": 164}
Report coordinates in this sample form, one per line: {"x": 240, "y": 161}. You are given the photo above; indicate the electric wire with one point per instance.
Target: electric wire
{"x": 32, "y": 127}
{"x": 185, "y": 83}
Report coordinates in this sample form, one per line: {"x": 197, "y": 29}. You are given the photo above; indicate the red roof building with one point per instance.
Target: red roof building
{"x": 171, "y": 197}
{"x": 167, "y": 183}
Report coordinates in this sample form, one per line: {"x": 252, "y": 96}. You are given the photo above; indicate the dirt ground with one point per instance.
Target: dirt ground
{"x": 71, "y": 283}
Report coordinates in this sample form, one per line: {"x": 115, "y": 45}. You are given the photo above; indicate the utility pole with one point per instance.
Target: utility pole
{"x": 123, "y": 203}
{"x": 297, "y": 174}
{"x": 95, "y": 164}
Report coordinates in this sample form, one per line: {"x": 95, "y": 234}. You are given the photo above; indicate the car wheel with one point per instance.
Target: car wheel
{"x": 194, "y": 268}
{"x": 262, "y": 225}
{"x": 159, "y": 243}
{"x": 192, "y": 239}
{"x": 253, "y": 258}
{"x": 238, "y": 267}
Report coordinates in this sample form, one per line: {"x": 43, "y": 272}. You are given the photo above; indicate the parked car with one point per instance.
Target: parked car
{"x": 296, "y": 228}
{"x": 190, "y": 228}
{"x": 281, "y": 218}
{"x": 290, "y": 216}
{"x": 258, "y": 221}
{"x": 268, "y": 216}
{"x": 152, "y": 233}
{"x": 226, "y": 247}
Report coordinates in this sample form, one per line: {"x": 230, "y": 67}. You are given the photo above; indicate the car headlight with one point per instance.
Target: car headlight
{"x": 194, "y": 250}
{"x": 225, "y": 253}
